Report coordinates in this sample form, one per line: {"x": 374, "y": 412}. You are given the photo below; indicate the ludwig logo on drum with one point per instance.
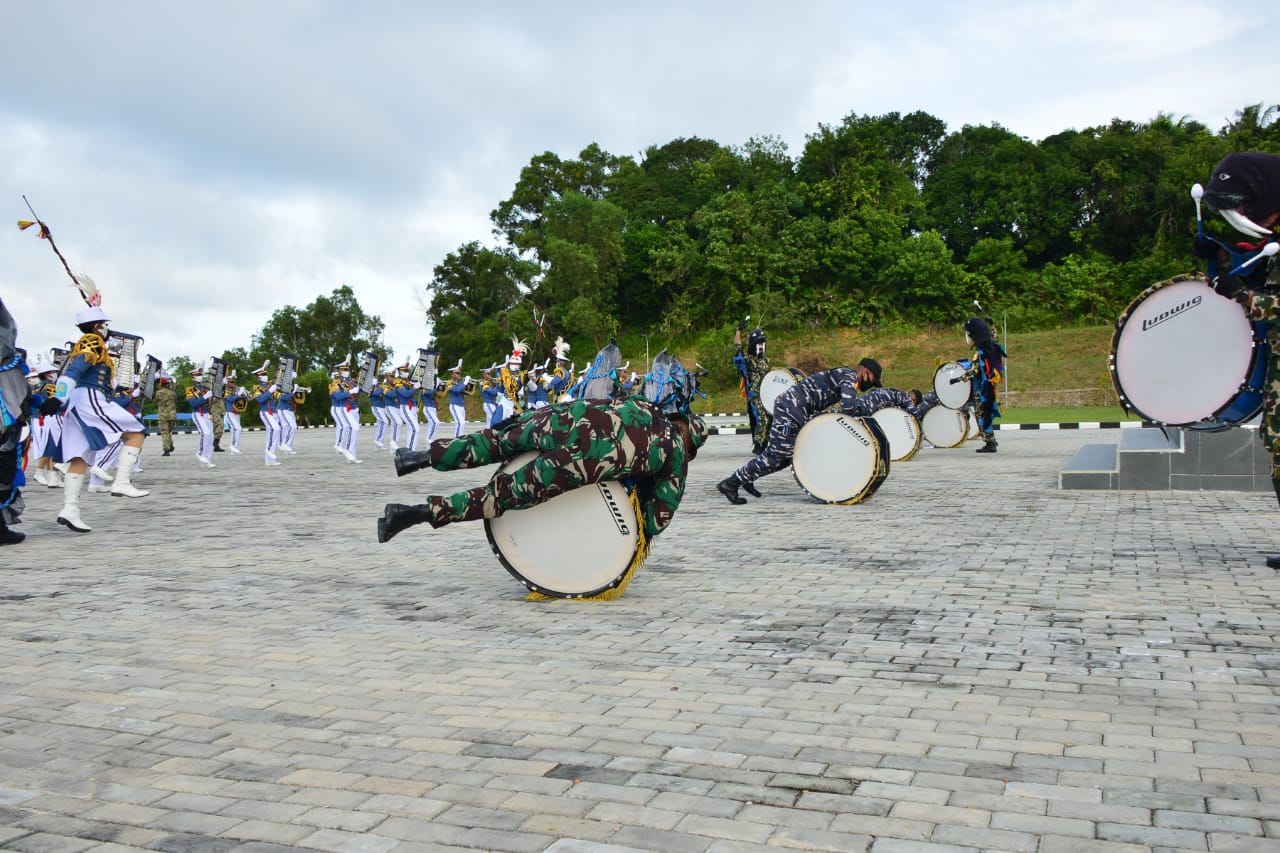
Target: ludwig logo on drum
{"x": 618, "y": 518}
{"x": 854, "y": 431}
{"x": 1171, "y": 313}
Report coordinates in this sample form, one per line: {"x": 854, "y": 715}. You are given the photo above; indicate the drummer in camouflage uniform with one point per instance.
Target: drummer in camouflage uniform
{"x": 577, "y": 442}
{"x": 855, "y": 390}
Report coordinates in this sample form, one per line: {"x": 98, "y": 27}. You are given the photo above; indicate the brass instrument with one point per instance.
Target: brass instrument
{"x": 286, "y": 373}
{"x": 124, "y": 347}
{"x": 301, "y": 389}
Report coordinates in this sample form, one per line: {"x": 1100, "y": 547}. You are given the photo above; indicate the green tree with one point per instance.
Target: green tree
{"x": 329, "y": 330}
{"x": 473, "y": 296}
{"x": 583, "y": 248}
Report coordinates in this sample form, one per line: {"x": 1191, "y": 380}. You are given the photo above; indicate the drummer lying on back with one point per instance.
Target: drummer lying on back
{"x": 855, "y": 390}
{"x": 578, "y": 442}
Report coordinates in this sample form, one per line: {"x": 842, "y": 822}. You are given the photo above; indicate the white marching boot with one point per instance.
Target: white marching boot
{"x": 70, "y": 515}
{"x": 121, "y": 486}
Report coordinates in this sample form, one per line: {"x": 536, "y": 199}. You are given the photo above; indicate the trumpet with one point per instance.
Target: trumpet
{"x": 302, "y": 388}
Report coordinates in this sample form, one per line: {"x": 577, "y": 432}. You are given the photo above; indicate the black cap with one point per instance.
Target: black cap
{"x": 874, "y": 366}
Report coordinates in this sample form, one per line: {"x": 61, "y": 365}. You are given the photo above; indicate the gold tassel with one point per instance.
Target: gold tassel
{"x": 642, "y": 551}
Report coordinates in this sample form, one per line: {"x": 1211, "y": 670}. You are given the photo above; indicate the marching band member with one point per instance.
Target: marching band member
{"x": 430, "y": 401}
{"x": 488, "y": 393}
{"x": 346, "y": 410}
{"x": 236, "y": 400}
{"x": 535, "y": 390}
{"x": 46, "y": 430}
{"x": 752, "y": 365}
{"x": 397, "y": 427}
{"x": 265, "y": 395}
{"x": 15, "y": 413}
{"x": 406, "y": 401}
{"x": 286, "y": 411}
{"x": 510, "y": 378}
{"x": 986, "y": 373}
{"x": 839, "y": 386}
{"x": 457, "y": 403}
{"x": 91, "y": 421}
{"x": 377, "y": 405}
{"x": 198, "y": 403}
{"x": 562, "y": 376}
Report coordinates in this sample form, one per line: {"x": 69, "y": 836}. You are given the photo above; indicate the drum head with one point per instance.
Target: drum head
{"x": 902, "y": 431}
{"x": 953, "y": 396}
{"x": 576, "y": 545}
{"x": 840, "y": 459}
{"x": 945, "y": 427}
{"x": 1181, "y": 353}
{"x": 775, "y": 383}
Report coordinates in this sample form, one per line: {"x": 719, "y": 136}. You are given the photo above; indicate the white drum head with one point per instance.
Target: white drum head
{"x": 1181, "y": 352}
{"x": 839, "y": 459}
{"x": 775, "y": 383}
{"x": 902, "y": 430}
{"x": 952, "y": 396}
{"x": 575, "y": 545}
{"x": 945, "y": 427}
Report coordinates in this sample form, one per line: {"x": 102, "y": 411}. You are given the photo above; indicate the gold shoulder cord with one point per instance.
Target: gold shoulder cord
{"x": 94, "y": 350}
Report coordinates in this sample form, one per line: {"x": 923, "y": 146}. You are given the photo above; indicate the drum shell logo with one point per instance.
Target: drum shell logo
{"x": 853, "y": 430}
{"x": 618, "y": 518}
{"x": 1171, "y": 313}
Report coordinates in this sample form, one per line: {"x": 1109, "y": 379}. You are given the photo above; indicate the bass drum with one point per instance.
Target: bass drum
{"x": 1182, "y": 355}
{"x": 953, "y": 395}
{"x": 902, "y": 430}
{"x": 532, "y": 544}
{"x": 840, "y": 459}
{"x": 945, "y": 427}
{"x": 777, "y": 382}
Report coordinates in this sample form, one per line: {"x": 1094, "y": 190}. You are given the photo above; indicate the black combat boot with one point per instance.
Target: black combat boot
{"x": 750, "y": 489}
{"x": 989, "y": 447}
{"x": 9, "y": 536}
{"x": 217, "y": 446}
{"x": 397, "y": 517}
{"x": 729, "y": 488}
{"x": 1273, "y": 562}
{"x": 408, "y": 461}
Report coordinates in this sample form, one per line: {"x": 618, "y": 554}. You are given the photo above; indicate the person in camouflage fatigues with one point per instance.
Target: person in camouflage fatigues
{"x": 166, "y": 413}
{"x": 1245, "y": 189}
{"x": 577, "y": 442}
{"x": 217, "y": 414}
{"x": 752, "y": 365}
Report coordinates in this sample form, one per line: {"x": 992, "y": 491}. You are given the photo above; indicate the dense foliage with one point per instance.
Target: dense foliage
{"x": 880, "y": 219}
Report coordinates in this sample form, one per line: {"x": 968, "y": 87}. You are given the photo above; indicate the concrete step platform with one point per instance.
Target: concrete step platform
{"x": 1172, "y": 459}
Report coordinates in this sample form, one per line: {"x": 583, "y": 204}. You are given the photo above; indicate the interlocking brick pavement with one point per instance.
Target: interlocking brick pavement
{"x": 970, "y": 660}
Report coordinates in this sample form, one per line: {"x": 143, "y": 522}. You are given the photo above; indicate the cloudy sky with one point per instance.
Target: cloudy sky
{"x": 209, "y": 163}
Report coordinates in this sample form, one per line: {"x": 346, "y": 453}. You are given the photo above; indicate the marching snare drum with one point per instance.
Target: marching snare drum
{"x": 945, "y": 427}
{"x": 577, "y": 545}
{"x": 902, "y": 430}
{"x": 1182, "y": 355}
{"x": 840, "y": 459}
{"x": 777, "y": 382}
{"x": 953, "y": 395}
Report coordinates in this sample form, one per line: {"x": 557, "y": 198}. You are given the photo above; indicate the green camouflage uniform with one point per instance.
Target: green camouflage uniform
{"x": 1265, "y": 306}
{"x": 217, "y": 413}
{"x": 166, "y": 415}
{"x": 578, "y": 442}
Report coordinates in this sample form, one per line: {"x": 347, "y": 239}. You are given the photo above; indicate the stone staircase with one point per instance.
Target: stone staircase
{"x": 1166, "y": 459}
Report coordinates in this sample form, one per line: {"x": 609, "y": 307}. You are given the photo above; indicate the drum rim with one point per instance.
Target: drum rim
{"x": 919, "y": 433}
{"x": 1258, "y": 353}
{"x": 534, "y": 586}
{"x": 881, "y": 467}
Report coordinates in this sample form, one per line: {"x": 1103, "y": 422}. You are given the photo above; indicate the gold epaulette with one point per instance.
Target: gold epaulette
{"x": 334, "y": 385}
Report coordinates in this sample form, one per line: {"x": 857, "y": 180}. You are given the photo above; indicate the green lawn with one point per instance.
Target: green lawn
{"x": 1074, "y": 414}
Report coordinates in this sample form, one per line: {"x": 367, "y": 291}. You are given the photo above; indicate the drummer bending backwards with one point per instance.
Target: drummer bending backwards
{"x": 1245, "y": 189}
{"x": 856, "y": 390}
{"x": 578, "y": 442}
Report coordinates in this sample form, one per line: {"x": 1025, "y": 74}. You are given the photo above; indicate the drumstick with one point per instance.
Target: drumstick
{"x": 1267, "y": 251}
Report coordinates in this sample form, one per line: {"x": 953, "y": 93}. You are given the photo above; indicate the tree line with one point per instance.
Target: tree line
{"x": 880, "y": 219}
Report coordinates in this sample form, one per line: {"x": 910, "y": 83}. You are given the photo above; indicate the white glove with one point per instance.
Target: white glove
{"x": 272, "y": 389}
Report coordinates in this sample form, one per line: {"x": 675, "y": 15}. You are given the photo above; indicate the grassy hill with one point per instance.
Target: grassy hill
{"x": 1052, "y": 375}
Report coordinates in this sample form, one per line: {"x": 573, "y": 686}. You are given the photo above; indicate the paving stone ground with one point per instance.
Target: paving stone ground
{"x": 971, "y": 660}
